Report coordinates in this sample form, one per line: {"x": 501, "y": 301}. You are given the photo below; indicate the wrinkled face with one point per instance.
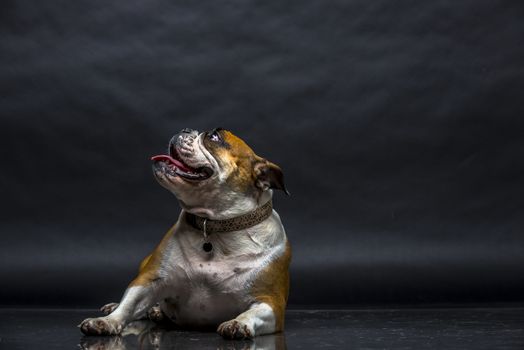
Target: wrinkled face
{"x": 213, "y": 173}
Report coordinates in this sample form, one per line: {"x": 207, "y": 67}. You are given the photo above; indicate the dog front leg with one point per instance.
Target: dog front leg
{"x": 135, "y": 303}
{"x": 258, "y": 320}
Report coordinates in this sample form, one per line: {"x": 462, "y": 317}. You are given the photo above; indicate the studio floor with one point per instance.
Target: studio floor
{"x": 403, "y": 328}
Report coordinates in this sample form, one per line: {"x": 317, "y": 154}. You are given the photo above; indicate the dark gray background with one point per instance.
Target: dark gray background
{"x": 398, "y": 125}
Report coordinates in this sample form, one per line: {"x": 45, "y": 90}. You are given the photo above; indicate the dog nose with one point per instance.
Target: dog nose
{"x": 187, "y": 130}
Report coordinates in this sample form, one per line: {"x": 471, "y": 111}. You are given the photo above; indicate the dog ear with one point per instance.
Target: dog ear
{"x": 269, "y": 175}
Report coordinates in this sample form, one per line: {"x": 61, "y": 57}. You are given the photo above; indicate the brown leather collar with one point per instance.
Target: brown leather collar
{"x": 241, "y": 222}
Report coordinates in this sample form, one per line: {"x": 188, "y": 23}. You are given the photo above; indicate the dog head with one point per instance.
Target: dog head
{"x": 215, "y": 174}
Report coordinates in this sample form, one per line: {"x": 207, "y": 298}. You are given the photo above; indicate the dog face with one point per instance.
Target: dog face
{"x": 215, "y": 174}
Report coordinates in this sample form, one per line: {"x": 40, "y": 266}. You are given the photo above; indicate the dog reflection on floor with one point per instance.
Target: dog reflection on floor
{"x": 145, "y": 334}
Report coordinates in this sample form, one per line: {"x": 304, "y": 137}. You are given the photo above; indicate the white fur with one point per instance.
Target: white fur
{"x": 209, "y": 288}
{"x": 260, "y": 319}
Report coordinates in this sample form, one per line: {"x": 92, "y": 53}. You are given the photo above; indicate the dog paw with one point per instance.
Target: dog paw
{"x": 100, "y": 326}
{"x": 235, "y": 329}
{"x": 155, "y": 314}
{"x": 109, "y": 308}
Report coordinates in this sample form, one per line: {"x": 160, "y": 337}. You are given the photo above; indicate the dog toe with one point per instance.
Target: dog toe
{"x": 109, "y": 308}
{"x": 155, "y": 314}
{"x": 234, "y": 329}
{"x": 98, "y": 326}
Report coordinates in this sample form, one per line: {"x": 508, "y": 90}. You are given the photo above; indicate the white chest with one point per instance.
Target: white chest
{"x": 207, "y": 287}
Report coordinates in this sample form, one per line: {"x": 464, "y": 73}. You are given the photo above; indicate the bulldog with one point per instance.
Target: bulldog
{"x": 225, "y": 262}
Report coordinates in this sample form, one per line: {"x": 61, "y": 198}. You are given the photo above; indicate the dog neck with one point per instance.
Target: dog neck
{"x": 237, "y": 223}
{"x": 225, "y": 207}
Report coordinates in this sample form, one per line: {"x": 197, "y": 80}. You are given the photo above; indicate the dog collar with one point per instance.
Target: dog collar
{"x": 208, "y": 226}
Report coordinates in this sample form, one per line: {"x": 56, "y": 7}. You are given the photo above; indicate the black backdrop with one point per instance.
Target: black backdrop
{"x": 398, "y": 125}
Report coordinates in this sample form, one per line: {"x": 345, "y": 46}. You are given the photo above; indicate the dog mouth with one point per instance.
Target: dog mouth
{"x": 173, "y": 165}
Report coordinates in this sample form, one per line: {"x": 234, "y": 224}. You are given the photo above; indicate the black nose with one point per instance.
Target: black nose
{"x": 187, "y": 130}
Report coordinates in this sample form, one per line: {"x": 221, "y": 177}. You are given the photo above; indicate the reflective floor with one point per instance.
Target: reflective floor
{"x": 453, "y": 328}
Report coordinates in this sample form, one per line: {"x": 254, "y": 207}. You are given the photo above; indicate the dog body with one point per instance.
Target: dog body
{"x": 201, "y": 290}
{"x": 236, "y": 279}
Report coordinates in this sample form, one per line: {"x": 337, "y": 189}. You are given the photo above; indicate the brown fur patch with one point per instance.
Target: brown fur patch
{"x": 236, "y": 156}
{"x": 144, "y": 262}
{"x": 148, "y": 270}
{"x": 272, "y": 286}
{"x": 242, "y": 157}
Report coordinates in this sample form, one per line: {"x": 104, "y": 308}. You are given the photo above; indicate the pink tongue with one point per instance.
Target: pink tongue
{"x": 169, "y": 159}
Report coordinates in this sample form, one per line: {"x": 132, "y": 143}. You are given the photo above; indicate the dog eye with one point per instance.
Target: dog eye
{"x": 214, "y": 136}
